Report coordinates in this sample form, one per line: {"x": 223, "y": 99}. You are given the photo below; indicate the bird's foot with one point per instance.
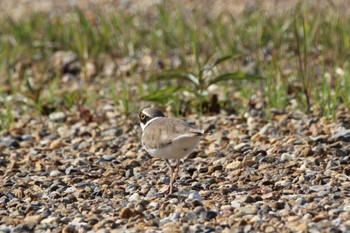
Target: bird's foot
{"x": 169, "y": 190}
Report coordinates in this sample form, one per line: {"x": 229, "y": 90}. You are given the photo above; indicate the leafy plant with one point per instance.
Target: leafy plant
{"x": 200, "y": 79}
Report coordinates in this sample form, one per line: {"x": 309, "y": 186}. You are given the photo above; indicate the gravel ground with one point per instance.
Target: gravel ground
{"x": 290, "y": 174}
{"x": 80, "y": 171}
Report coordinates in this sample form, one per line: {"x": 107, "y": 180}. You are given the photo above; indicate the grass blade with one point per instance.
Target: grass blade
{"x": 225, "y": 58}
{"x": 234, "y": 76}
{"x": 162, "y": 95}
{"x": 176, "y": 74}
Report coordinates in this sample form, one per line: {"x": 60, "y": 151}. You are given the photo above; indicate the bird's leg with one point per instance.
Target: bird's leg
{"x": 177, "y": 169}
{"x": 169, "y": 190}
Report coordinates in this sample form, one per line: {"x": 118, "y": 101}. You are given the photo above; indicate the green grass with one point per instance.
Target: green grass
{"x": 6, "y": 116}
{"x": 297, "y": 54}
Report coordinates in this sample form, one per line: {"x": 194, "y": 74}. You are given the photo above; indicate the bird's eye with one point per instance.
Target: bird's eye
{"x": 142, "y": 117}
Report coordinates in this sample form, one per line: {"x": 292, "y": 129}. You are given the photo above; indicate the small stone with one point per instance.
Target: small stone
{"x": 112, "y": 132}
{"x": 81, "y": 146}
{"x": 247, "y": 162}
{"x": 56, "y": 144}
{"x": 342, "y": 135}
{"x": 9, "y": 142}
{"x": 175, "y": 217}
{"x": 134, "y": 197}
{"x": 285, "y": 157}
{"x": 90, "y": 69}
{"x": 27, "y": 137}
{"x": 27, "y": 227}
{"x": 249, "y": 199}
{"x": 154, "y": 205}
{"x": 199, "y": 209}
{"x": 174, "y": 201}
{"x": 300, "y": 201}
{"x": 347, "y": 208}
{"x": 170, "y": 227}
{"x": 164, "y": 221}
{"x": 210, "y": 215}
{"x": 194, "y": 196}
{"x": 306, "y": 151}
{"x": 270, "y": 229}
{"x": 226, "y": 208}
{"x": 240, "y": 146}
{"x": 126, "y": 213}
{"x": 189, "y": 216}
{"x": 49, "y": 220}
{"x": 268, "y": 129}
{"x": 70, "y": 190}
{"x": 57, "y": 117}
{"x": 69, "y": 229}
{"x": 246, "y": 210}
{"x": 108, "y": 158}
{"x": 302, "y": 227}
{"x": 62, "y": 62}
{"x": 319, "y": 188}
{"x": 33, "y": 219}
{"x": 284, "y": 183}
{"x": 234, "y": 165}
{"x": 279, "y": 205}
{"x": 340, "y": 153}
{"x": 246, "y": 199}
{"x": 55, "y": 173}
{"x": 235, "y": 204}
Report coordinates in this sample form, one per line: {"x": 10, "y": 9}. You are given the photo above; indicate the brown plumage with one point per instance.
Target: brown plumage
{"x": 165, "y": 131}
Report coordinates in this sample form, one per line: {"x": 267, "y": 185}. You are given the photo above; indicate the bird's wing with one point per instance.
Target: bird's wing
{"x": 166, "y": 131}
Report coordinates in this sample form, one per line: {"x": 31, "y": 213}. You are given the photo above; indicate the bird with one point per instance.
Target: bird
{"x": 167, "y": 138}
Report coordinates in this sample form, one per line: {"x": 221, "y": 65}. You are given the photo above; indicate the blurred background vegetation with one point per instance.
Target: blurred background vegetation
{"x": 192, "y": 56}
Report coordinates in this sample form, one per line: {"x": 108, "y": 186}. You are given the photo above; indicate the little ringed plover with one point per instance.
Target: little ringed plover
{"x": 167, "y": 138}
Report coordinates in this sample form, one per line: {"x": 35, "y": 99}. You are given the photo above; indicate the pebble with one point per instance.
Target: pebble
{"x": 235, "y": 204}
{"x": 126, "y": 213}
{"x": 244, "y": 210}
{"x": 284, "y": 183}
{"x": 112, "y": 132}
{"x": 234, "y": 165}
{"x": 319, "y": 188}
{"x": 70, "y": 190}
{"x": 57, "y": 117}
{"x": 246, "y": 199}
{"x": 50, "y": 220}
{"x": 174, "y": 201}
{"x": 189, "y": 216}
{"x": 27, "y": 137}
{"x": 134, "y": 197}
{"x": 340, "y": 153}
{"x": 9, "y": 142}
{"x": 194, "y": 196}
{"x": 268, "y": 129}
{"x": 240, "y": 146}
{"x": 55, "y": 173}
{"x": 56, "y": 144}
{"x": 108, "y": 158}
{"x": 342, "y": 135}
{"x": 175, "y": 217}
{"x": 64, "y": 62}
{"x": 210, "y": 215}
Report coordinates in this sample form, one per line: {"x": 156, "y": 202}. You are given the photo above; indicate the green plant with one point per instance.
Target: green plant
{"x": 6, "y": 118}
{"x": 200, "y": 79}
